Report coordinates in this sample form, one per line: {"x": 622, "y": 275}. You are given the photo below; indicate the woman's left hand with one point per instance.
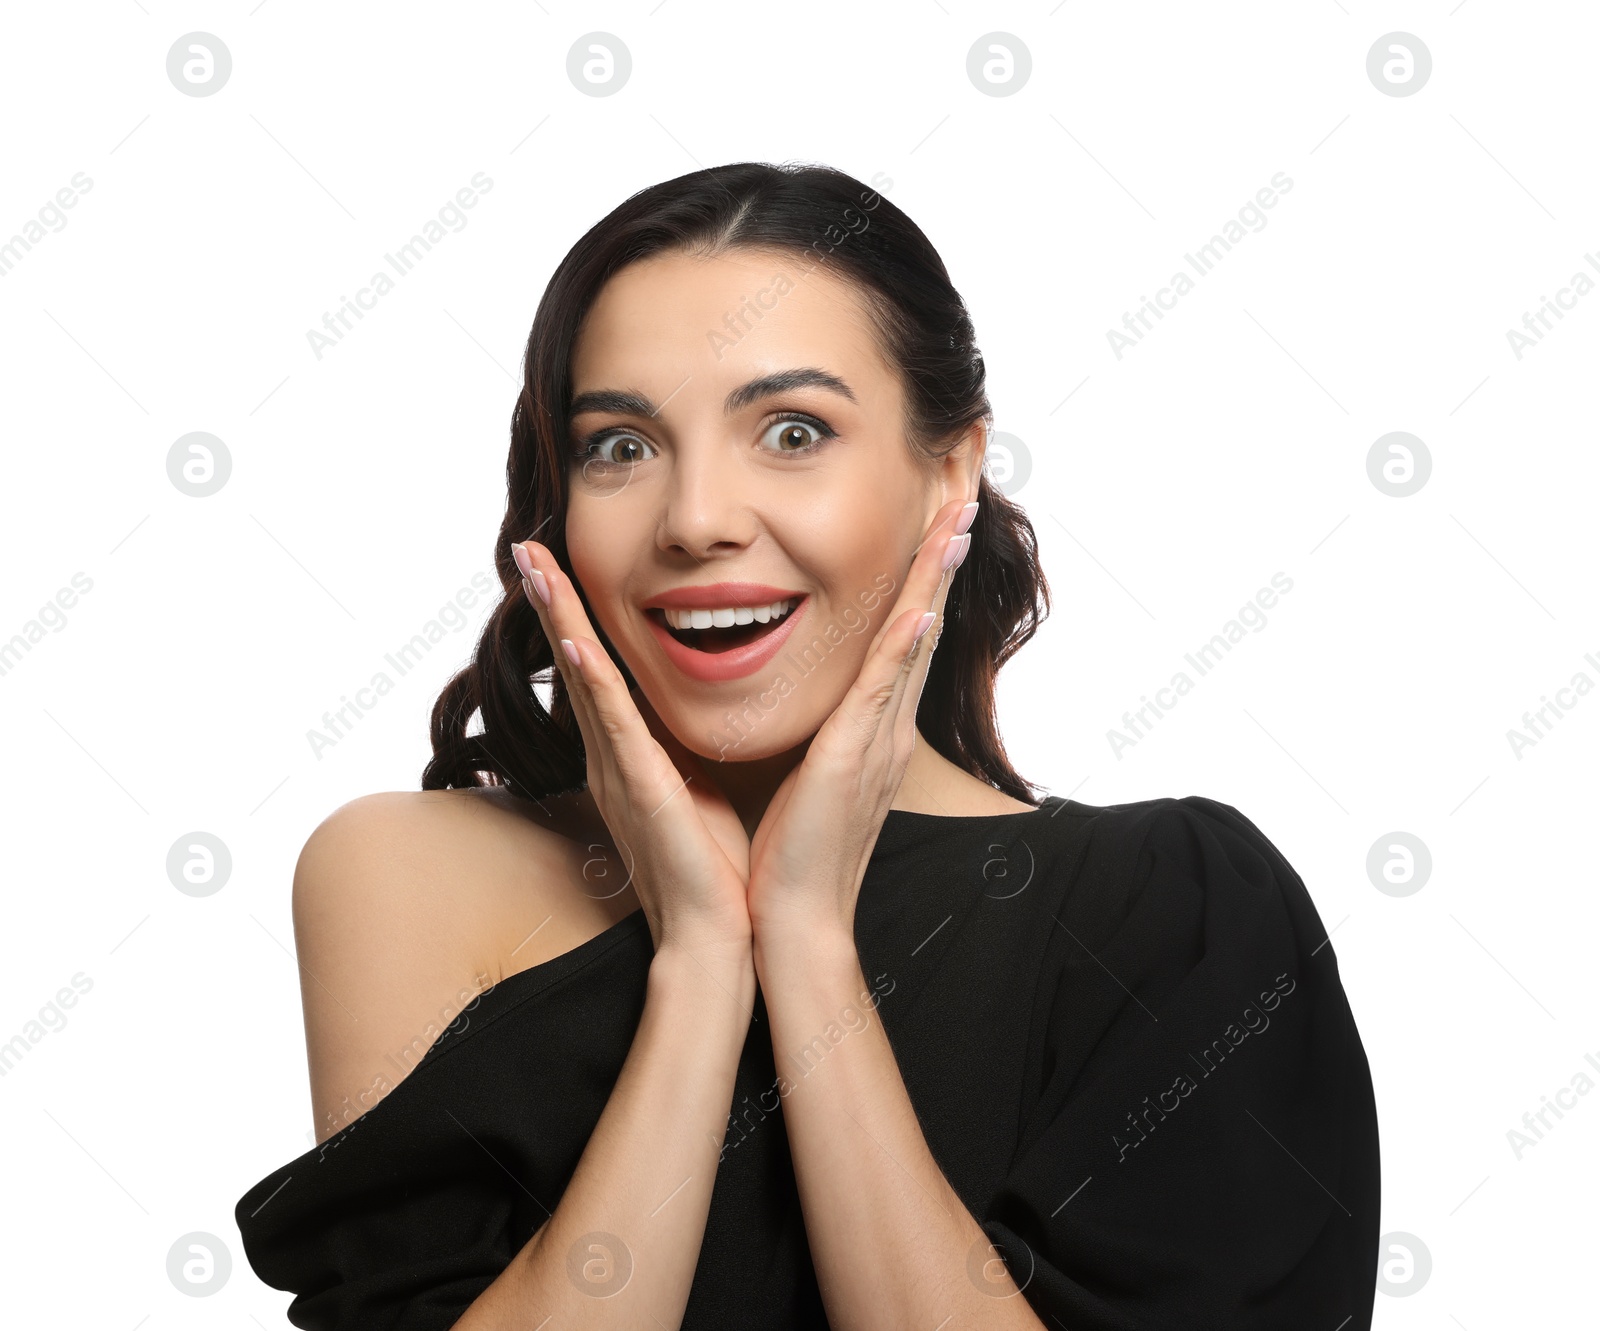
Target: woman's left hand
{"x": 809, "y": 853}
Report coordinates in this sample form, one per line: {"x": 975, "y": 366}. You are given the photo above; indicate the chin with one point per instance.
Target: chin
{"x": 759, "y": 719}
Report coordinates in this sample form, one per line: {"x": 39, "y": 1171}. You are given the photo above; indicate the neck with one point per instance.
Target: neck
{"x": 931, "y": 784}
{"x": 750, "y": 786}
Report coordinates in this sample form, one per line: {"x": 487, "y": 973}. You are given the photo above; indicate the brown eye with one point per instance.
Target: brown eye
{"x": 615, "y": 448}
{"x": 797, "y": 434}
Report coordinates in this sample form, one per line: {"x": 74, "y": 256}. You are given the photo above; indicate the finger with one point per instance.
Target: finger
{"x": 949, "y": 539}
{"x": 561, "y": 617}
{"x": 897, "y": 663}
{"x": 687, "y": 762}
{"x": 923, "y": 645}
{"x": 927, "y": 563}
{"x": 853, "y": 746}
{"x": 715, "y": 810}
{"x": 623, "y": 751}
{"x": 905, "y": 652}
{"x": 634, "y": 754}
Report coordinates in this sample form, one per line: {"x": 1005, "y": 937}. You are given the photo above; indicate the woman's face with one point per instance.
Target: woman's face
{"x": 735, "y": 423}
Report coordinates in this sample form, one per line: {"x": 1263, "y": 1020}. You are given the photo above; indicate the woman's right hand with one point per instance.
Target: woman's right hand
{"x": 682, "y": 844}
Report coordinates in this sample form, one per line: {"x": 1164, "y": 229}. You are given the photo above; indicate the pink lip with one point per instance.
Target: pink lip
{"x": 717, "y": 667}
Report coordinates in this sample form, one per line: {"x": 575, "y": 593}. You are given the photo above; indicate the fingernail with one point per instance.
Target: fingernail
{"x": 924, "y": 625}
{"x": 968, "y": 513}
{"x": 571, "y": 651}
{"x": 954, "y": 549}
{"x": 966, "y": 544}
{"x": 524, "y": 560}
{"x": 540, "y": 586}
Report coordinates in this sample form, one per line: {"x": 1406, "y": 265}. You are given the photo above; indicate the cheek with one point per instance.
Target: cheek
{"x": 599, "y": 560}
{"x": 869, "y": 568}
{"x": 846, "y": 533}
{"x": 857, "y": 558}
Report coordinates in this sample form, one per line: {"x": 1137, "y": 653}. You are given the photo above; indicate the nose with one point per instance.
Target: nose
{"x": 704, "y": 513}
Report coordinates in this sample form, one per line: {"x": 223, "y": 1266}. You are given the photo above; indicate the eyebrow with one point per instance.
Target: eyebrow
{"x": 629, "y": 403}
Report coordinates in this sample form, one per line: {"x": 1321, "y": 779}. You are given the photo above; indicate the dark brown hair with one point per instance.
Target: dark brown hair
{"x": 998, "y": 597}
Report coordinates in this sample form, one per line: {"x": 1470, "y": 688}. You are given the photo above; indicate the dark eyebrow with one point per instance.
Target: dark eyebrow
{"x": 627, "y": 403}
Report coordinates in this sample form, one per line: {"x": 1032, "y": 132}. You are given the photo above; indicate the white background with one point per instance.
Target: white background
{"x": 1166, "y": 487}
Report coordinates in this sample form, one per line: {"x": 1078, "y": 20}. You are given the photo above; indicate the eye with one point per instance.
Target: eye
{"x": 789, "y": 434}
{"x": 592, "y": 452}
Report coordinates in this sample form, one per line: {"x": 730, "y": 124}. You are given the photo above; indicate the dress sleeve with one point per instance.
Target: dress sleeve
{"x": 1203, "y": 1152}
{"x": 390, "y": 1225}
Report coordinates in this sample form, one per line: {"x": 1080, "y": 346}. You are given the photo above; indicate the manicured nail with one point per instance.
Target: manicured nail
{"x": 965, "y": 546}
{"x": 955, "y": 550}
{"x": 571, "y": 651}
{"x": 968, "y": 513}
{"x": 923, "y": 625}
{"x": 524, "y": 560}
{"x": 540, "y": 585}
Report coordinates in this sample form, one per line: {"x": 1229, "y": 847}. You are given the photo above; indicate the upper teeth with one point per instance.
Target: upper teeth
{"x": 722, "y": 619}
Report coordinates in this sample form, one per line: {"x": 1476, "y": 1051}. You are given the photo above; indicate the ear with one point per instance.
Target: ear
{"x": 960, "y": 470}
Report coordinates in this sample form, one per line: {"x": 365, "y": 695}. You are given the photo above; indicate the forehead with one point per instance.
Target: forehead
{"x": 721, "y": 320}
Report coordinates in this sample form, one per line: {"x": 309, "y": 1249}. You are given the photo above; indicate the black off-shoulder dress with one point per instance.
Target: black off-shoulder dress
{"x": 1123, "y": 1031}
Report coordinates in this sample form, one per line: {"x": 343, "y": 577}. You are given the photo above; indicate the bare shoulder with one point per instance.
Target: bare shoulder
{"x": 408, "y": 904}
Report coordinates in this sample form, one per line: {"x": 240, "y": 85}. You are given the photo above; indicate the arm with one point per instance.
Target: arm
{"x": 634, "y": 1212}
{"x": 891, "y": 1242}
{"x": 374, "y": 947}
{"x": 621, "y": 1248}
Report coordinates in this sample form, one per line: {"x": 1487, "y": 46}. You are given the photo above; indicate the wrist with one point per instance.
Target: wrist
{"x": 711, "y": 965}
{"x": 824, "y": 951}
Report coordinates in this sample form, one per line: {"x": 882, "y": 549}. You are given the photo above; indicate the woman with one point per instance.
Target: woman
{"x": 990, "y": 1061}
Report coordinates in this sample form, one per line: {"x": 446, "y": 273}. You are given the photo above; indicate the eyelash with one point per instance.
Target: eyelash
{"x": 582, "y": 454}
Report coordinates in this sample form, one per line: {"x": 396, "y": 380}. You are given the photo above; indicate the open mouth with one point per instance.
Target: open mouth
{"x": 724, "y": 630}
